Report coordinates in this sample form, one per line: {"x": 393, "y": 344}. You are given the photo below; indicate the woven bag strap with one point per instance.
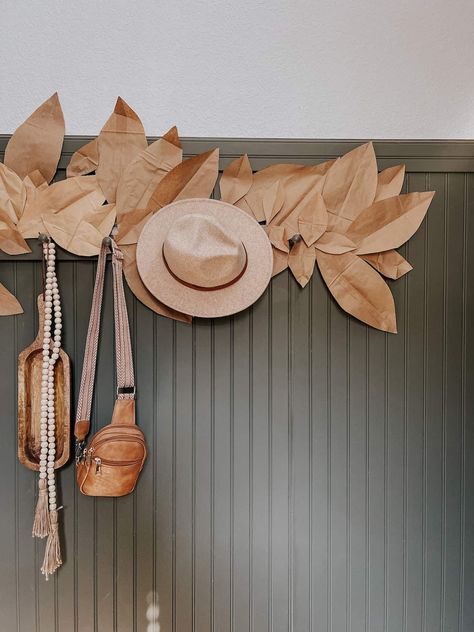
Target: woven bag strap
{"x": 123, "y": 346}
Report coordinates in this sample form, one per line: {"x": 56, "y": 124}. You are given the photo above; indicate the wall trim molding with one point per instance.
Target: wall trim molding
{"x": 435, "y": 156}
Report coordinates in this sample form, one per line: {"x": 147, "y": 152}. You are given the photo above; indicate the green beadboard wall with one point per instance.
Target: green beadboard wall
{"x": 305, "y": 473}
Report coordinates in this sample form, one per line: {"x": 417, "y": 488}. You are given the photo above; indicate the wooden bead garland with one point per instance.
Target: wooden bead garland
{"x": 46, "y": 516}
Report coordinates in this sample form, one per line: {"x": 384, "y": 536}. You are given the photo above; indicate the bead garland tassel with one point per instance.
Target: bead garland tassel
{"x": 46, "y": 515}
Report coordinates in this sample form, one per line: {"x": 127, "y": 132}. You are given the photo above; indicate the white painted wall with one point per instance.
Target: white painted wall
{"x": 274, "y": 68}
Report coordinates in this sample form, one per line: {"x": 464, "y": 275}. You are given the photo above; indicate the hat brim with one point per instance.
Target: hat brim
{"x": 193, "y": 301}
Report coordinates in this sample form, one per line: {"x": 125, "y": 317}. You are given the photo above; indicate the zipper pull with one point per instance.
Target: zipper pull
{"x": 98, "y": 463}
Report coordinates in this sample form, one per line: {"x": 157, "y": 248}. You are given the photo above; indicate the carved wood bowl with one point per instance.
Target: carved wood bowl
{"x": 30, "y": 363}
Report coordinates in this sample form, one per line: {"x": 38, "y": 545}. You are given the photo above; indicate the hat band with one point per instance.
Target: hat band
{"x": 203, "y": 288}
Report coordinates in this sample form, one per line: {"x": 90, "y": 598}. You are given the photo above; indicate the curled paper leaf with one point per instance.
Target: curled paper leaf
{"x": 334, "y": 243}
{"x": 280, "y": 261}
{"x": 389, "y": 223}
{"x": 236, "y": 180}
{"x": 81, "y": 233}
{"x": 350, "y": 186}
{"x": 389, "y": 263}
{"x": 142, "y": 175}
{"x": 301, "y": 262}
{"x": 389, "y": 182}
{"x": 119, "y": 141}
{"x": 77, "y": 195}
{"x": 358, "y": 289}
{"x": 11, "y": 240}
{"x": 135, "y": 283}
{"x": 12, "y": 193}
{"x": 37, "y": 143}
{"x": 194, "y": 177}
{"x": 9, "y": 305}
{"x": 85, "y": 160}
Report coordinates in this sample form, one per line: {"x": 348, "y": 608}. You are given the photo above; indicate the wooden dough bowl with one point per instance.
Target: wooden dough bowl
{"x": 30, "y": 363}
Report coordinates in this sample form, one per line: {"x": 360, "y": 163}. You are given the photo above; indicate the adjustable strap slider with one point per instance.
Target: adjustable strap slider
{"x": 126, "y": 390}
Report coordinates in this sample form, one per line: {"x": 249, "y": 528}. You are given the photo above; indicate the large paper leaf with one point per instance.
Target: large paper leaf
{"x": 142, "y": 175}
{"x": 12, "y": 193}
{"x": 11, "y": 240}
{"x": 350, "y": 186}
{"x": 358, "y": 289}
{"x": 236, "y": 180}
{"x": 301, "y": 262}
{"x": 81, "y": 233}
{"x": 389, "y": 223}
{"x": 194, "y": 177}
{"x": 119, "y": 141}
{"x": 37, "y": 143}
{"x": 77, "y": 195}
{"x": 389, "y": 182}
{"x": 389, "y": 263}
{"x": 85, "y": 160}
{"x": 141, "y": 292}
{"x": 9, "y": 305}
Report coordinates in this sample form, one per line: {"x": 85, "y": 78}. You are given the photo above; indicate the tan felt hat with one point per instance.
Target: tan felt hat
{"x": 204, "y": 257}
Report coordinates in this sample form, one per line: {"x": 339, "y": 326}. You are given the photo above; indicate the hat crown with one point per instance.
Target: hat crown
{"x": 199, "y": 251}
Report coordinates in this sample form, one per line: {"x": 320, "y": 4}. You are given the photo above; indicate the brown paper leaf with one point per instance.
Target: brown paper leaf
{"x": 81, "y": 233}
{"x": 78, "y": 194}
{"x": 334, "y": 243}
{"x": 11, "y": 240}
{"x": 389, "y": 263}
{"x": 37, "y": 143}
{"x": 312, "y": 218}
{"x": 276, "y": 236}
{"x": 172, "y": 137}
{"x": 119, "y": 141}
{"x": 141, "y": 292}
{"x": 35, "y": 181}
{"x": 143, "y": 174}
{"x": 265, "y": 203}
{"x": 85, "y": 160}
{"x": 12, "y": 193}
{"x": 194, "y": 177}
{"x": 389, "y": 223}
{"x": 131, "y": 226}
{"x": 9, "y": 305}
{"x": 389, "y": 182}
{"x": 350, "y": 186}
{"x": 358, "y": 289}
{"x": 280, "y": 261}
{"x": 236, "y": 180}
{"x": 301, "y": 262}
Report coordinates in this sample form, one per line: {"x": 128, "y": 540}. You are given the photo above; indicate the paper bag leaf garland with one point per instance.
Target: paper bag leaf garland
{"x": 37, "y": 143}
{"x": 143, "y": 174}
{"x": 342, "y": 213}
{"x": 119, "y": 141}
{"x": 85, "y": 160}
{"x": 9, "y": 305}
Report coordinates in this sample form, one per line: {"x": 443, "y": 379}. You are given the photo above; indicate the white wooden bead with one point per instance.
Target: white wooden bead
{"x": 42, "y": 475}
{"x": 52, "y": 506}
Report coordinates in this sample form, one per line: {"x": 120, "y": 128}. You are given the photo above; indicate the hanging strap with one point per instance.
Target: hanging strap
{"x": 123, "y": 347}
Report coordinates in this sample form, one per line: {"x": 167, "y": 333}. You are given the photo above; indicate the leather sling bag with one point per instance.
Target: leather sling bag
{"x": 110, "y": 464}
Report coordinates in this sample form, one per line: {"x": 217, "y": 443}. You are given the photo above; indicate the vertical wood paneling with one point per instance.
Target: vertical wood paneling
{"x": 305, "y": 473}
